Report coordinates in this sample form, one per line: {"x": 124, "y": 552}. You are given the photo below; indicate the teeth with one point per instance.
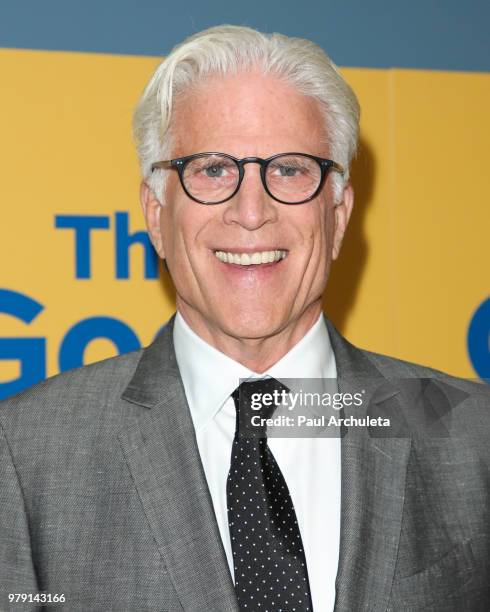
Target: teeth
{"x": 247, "y": 259}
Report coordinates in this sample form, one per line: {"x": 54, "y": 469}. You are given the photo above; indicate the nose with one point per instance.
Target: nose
{"x": 251, "y": 207}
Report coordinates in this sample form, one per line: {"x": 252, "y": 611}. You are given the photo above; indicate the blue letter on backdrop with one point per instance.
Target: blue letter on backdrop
{"x": 30, "y": 352}
{"x": 83, "y": 225}
{"x": 479, "y": 340}
{"x": 82, "y": 333}
{"x": 124, "y": 240}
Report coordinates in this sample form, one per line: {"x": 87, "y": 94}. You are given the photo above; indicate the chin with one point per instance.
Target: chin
{"x": 253, "y": 324}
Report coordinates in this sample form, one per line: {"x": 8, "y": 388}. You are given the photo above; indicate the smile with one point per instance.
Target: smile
{"x": 251, "y": 259}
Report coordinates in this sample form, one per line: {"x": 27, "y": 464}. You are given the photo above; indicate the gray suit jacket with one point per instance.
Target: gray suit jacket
{"x": 103, "y": 497}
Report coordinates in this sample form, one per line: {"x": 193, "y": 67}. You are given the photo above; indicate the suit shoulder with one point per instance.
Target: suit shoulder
{"x": 466, "y": 402}
{"x": 86, "y": 389}
{"x": 360, "y": 361}
{"x": 392, "y": 367}
{"x": 436, "y": 402}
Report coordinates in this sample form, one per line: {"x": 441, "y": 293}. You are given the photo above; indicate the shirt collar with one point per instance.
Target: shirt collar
{"x": 210, "y": 377}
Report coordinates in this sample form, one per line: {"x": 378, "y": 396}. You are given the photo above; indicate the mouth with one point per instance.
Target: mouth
{"x": 254, "y": 258}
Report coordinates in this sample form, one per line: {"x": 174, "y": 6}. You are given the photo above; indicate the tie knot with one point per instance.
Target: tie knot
{"x": 255, "y": 401}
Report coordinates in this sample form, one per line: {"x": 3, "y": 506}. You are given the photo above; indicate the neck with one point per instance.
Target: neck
{"x": 256, "y": 354}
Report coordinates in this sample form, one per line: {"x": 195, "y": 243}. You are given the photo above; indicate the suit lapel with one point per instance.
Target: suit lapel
{"x": 162, "y": 454}
{"x": 373, "y": 491}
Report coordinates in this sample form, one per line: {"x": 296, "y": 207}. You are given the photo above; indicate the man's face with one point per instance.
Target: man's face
{"x": 247, "y": 115}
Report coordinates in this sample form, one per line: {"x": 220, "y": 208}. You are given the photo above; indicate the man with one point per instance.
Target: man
{"x": 127, "y": 485}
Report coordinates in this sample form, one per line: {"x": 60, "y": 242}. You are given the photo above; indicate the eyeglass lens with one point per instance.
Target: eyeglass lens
{"x": 212, "y": 178}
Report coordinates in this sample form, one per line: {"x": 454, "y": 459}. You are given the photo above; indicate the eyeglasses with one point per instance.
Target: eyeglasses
{"x": 214, "y": 178}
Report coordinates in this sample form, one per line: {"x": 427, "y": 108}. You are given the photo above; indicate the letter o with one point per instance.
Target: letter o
{"x": 478, "y": 340}
{"x": 82, "y": 333}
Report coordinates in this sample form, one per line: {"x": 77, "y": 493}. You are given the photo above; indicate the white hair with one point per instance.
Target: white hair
{"x": 229, "y": 49}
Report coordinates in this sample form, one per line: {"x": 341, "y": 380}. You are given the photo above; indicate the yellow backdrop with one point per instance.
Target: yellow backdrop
{"x": 415, "y": 263}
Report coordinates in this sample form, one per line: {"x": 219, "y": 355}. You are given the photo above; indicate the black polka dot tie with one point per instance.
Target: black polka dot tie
{"x": 268, "y": 557}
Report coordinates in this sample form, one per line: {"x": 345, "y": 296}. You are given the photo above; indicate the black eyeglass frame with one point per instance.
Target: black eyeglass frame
{"x": 179, "y": 164}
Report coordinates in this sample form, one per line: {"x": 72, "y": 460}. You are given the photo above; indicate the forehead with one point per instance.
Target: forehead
{"x": 247, "y": 114}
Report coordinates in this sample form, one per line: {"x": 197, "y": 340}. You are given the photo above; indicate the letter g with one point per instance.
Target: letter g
{"x": 30, "y": 352}
{"x": 255, "y": 403}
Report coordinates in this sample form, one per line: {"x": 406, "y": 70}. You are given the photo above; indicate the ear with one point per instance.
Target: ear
{"x": 152, "y": 210}
{"x": 342, "y": 215}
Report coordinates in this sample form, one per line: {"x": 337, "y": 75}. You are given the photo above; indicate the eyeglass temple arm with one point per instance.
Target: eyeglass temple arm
{"x": 161, "y": 164}
{"x": 337, "y": 167}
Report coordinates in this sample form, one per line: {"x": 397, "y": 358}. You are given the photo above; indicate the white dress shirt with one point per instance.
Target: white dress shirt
{"x": 310, "y": 466}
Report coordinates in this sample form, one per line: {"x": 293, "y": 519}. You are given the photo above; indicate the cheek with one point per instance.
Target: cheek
{"x": 327, "y": 222}
{"x": 167, "y": 229}
{"x": 329, "y": 229}
{"x": 321, "y": 229}
{"x": 183, "y": 228}
{"x": 173, "y": 226}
